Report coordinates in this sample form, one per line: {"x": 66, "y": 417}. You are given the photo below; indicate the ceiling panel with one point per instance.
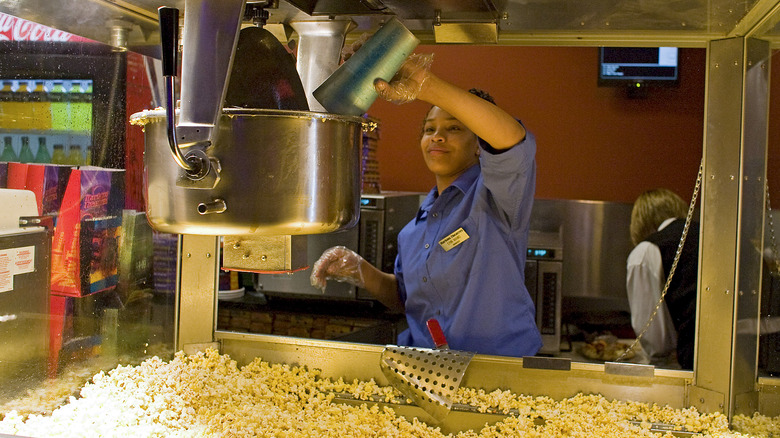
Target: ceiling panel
{"x": 519, "y": 22}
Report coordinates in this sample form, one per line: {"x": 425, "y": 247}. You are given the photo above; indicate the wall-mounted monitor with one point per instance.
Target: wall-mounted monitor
{"x": 638, "y": 66}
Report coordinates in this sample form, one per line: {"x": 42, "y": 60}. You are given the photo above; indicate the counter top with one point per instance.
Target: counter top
{"x": 253, "y": 300}
{"x": 350, "y": 320}
{"x": 345, "y": 320}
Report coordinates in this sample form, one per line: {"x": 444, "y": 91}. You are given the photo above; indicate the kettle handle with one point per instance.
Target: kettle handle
{"x": 169, "y": 39}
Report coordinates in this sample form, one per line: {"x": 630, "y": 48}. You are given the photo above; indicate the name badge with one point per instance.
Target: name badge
{"x": 456, "y": 238}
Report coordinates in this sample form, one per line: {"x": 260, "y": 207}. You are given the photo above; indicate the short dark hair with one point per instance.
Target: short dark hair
{"x": 475, "y": 91}
{"x": 483, "y": 94}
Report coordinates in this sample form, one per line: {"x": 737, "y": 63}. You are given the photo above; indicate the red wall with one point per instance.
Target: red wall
{"x": 593, "y": 142}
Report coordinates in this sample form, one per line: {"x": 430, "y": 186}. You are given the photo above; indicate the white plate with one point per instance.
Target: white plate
{"x": 231, "y": 294}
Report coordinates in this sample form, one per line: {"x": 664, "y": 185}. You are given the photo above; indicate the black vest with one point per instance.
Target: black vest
{"x": 681, "y": 296}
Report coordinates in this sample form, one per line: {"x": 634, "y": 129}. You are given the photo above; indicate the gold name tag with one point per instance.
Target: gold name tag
{"x": 456, "y": 238}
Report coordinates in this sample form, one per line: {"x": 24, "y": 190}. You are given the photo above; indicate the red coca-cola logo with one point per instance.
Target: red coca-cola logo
{"x": 17, "y": 29}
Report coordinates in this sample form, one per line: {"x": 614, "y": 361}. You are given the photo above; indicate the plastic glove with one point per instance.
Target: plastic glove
{"x": 407, "y": 83}
{"x": 338, "y": 263}
{"x": 348, "y": 51}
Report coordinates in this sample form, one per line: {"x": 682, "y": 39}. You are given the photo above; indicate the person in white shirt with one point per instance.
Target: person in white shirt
{"x": 657, "y": 222}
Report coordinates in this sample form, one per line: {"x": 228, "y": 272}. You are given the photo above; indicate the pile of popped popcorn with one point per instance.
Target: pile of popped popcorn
{"x": 208, "y": 395}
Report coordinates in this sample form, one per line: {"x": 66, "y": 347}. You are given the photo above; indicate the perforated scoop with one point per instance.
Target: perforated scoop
{"x": 430, "y": 378}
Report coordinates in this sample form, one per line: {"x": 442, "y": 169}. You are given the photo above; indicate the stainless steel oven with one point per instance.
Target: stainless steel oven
{"x": 382, "y": 217}
{"x": 543, "y": 279}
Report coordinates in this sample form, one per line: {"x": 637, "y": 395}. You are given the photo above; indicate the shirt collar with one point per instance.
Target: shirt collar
{"x": 666, "y": 223}
{"x": 425, "y": 205}
{"x": 467, "y": 178}
{"x": 462, "y": 183}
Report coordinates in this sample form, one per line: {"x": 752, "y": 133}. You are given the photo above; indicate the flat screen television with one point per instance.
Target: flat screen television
{"x": 638, "y": 66}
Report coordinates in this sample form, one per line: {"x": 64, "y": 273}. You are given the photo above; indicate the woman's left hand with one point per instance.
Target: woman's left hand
{"x": 405, "y": 86}
{"x": 338, "y": 263}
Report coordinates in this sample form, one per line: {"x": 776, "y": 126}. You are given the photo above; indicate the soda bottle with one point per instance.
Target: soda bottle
{"x": 42, "y": 155}
{"x": 8, "y": 154}
{"x": 88, "y": 156}
{"x": 81, "y": 107}
{"x": 60, "y": 108}
{"x": 58, "y": 156}
{"x": 41, "y": 106}
{"x": 25, "y": 154}
{"x": 74, "y": 155}
{"x": 6, "y": 106}
{"x": 21, "y": 108}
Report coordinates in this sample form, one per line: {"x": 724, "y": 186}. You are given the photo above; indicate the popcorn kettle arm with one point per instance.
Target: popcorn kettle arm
{"x": 196, "y": 164}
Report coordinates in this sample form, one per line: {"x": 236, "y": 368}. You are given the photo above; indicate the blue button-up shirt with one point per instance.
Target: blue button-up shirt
{"x": 476, "y": 290}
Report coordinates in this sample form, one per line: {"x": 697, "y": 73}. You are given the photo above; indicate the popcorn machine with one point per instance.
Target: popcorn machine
{"x": 202, "y": 159}
{"x": 466, "y": 27}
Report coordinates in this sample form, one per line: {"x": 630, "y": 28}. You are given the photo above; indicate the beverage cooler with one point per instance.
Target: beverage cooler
{"x": 58, "y": 103}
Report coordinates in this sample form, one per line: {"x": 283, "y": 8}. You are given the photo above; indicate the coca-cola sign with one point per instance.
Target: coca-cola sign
{"x": 17, "y": 29}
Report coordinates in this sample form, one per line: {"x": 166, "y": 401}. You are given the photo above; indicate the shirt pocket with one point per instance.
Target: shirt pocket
{"x": 454, "y": 266}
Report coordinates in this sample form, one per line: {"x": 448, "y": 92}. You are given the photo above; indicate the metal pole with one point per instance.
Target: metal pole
{"x": 732, "y": 219}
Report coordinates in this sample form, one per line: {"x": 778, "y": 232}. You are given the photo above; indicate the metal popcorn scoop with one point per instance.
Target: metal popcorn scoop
{"x": 429, "y": 377}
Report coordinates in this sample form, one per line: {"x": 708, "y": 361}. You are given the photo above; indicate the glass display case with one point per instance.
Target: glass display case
{"x": 100, "y": 288}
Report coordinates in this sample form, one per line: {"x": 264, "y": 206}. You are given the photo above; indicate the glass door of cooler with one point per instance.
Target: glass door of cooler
{"x": 46, "y": 120}
{"x": 59, "y": 103}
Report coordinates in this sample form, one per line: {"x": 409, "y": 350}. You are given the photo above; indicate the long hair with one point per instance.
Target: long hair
{"x": 651, "y": 208}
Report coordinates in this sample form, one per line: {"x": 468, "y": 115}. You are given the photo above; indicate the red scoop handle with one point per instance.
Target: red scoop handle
{"x": 437, "y": 334}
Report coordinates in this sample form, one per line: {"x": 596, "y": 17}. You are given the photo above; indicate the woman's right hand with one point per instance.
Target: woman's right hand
{"x": 338, "y": 263}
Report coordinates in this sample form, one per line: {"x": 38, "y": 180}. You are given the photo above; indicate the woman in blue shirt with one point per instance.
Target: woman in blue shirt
{"x": 461, "y": 259}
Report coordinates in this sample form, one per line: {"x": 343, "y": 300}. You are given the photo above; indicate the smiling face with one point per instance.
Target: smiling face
{"x": 448, "y": 147}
